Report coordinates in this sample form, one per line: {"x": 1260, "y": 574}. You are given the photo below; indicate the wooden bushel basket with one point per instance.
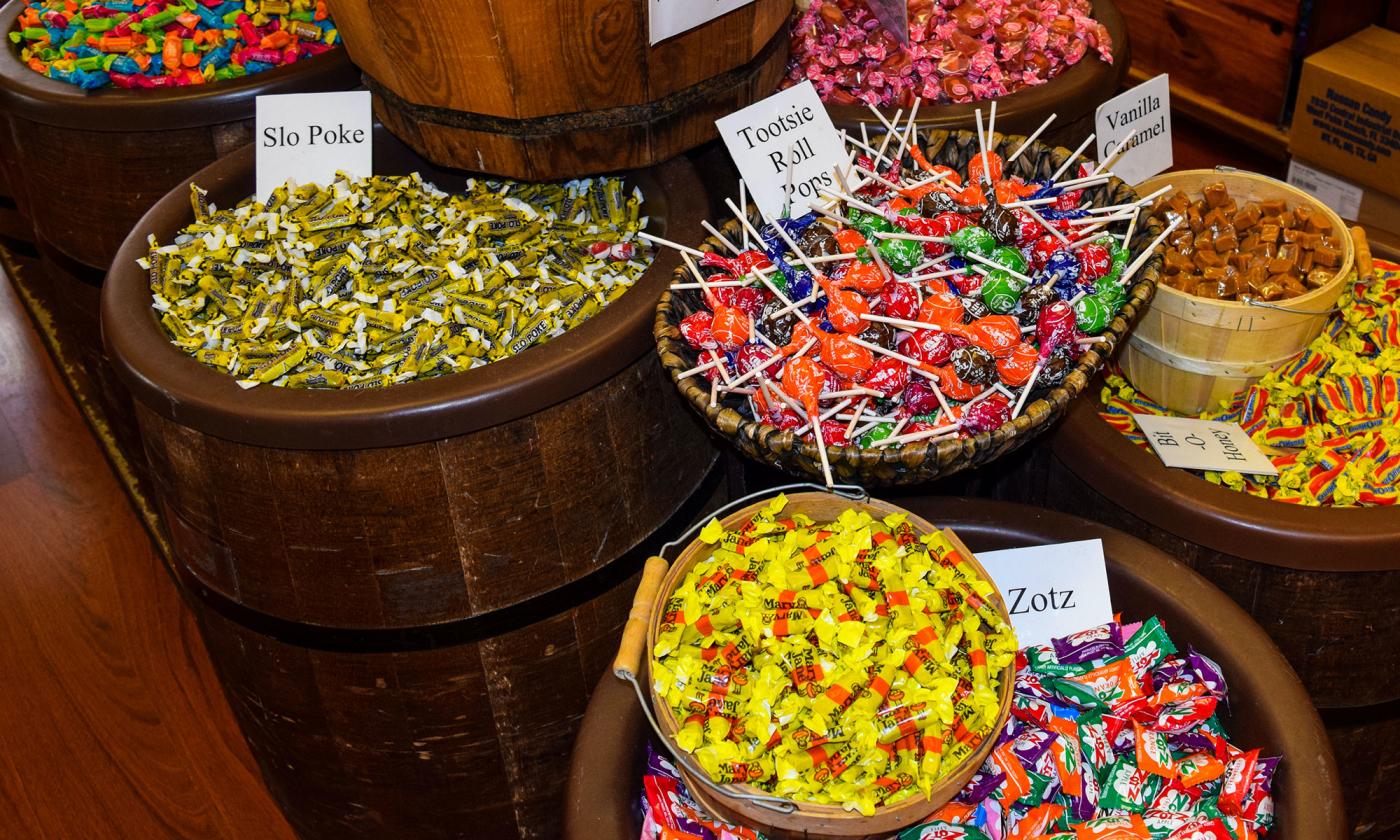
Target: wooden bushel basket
{"x": 745, "y": 804}
{"x": 1189, "y": 353}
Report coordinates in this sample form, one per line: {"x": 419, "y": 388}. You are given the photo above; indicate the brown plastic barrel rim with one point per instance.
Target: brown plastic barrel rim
{"x": 1090, "y": 81}
{"x": 1325, "y": 539}
{"x": 920, "y": 461}
{"x": 167, "y": 381}
{"x": 33, "y": 96}
{"x": 643, "y": 115}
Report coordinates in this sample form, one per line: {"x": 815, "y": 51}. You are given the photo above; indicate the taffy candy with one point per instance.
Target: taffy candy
{"x": 369, "y": 282}
{"x": 853, "y": 662}
{"x": 1113, "y": 734}
{"x": 142, "y": 44}
{"x": 1329, "y": 419}
{"x": 914, "y": 292}
{"x": 957, "y": 52}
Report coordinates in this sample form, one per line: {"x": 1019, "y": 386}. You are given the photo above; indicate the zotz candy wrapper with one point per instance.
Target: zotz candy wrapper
{"x": 375, "y": 281}
{"x": 143, "y": 44}
{"x": 853, "y": 662}
{"x": 1329, "y": 418}
{"x": 668, "y": 812}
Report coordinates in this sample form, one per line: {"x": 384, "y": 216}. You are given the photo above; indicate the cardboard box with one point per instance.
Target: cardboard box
{"x": 1375, "y": 211}
{"x": 1347, "y": 117}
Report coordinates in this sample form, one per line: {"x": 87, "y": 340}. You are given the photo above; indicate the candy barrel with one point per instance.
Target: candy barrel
{"x": 1324, "y": 582}
{"x": 1268, "y": 706}
{"x": 1073, "y": 96}
{"x": 556, "y": 90}
{"x": 86, "y": 165}
{"x": 409, "y": 591}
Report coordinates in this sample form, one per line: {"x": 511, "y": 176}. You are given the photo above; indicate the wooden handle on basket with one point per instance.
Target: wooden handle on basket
{"x": 1364, "y": 265}
{"x": 634, "y": 636}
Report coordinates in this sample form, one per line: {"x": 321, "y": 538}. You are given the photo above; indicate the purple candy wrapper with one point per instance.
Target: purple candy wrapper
{"x": 1032, "y": 744}
{"x": 1102, "y": 642}
{"x": 1207, "y": 672}
{"x": 982, "y": 783}
{"x": 1264, "y": 770}
{"x": 1172, "y": 669}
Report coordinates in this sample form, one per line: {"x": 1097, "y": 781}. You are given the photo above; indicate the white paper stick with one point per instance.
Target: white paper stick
{"x": 1029, "y": 140}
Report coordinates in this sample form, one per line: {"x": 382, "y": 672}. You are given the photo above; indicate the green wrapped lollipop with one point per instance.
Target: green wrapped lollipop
{"x": 1001, "y": 291}
{"x": 973, "y": 240}
{"x": 877, "y": 433}
{"x": 1008, "y": 257}
{"x": 1092, "y": 314}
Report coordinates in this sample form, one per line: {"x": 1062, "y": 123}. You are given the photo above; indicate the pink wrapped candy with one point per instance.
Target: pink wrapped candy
{"x": 959, "y": 50}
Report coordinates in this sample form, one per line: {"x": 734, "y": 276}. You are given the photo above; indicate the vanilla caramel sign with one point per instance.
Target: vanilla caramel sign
{"x": 1142, "y": 119}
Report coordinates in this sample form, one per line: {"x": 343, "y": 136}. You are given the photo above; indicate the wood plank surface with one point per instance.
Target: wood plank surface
{"x": 112, "y": 723}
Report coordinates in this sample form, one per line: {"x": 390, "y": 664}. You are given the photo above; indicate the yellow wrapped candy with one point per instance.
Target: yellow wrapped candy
{"x": 852, "y": 663}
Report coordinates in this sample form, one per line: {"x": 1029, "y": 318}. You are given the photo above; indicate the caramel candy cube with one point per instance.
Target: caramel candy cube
{"x": 1319, "y": 277}
{"x": 1305, "y": 263}
{"x": 1207, "y": 289}
{"x": 1206, "y": 258}
{"x": 1193, "y": 218}
{"x": 1216, "y": 194}
{"x": 1238, "y": 260}
{"x": 1302, "y": 215}
{"x": 1255, "y": 276}
{"x": 1291, "y": 234}
{"x": 1247, "y": 217}
{"x": 1179, "y": 202}
{"x": 1327, "y": 257}
{"x": 1272, "y": 207}
{"x": 1250, "y": 243}
{"x": 1177, "y": 262}
{"x": 1181, "y": 239}
{"x": 1292, "y": 287}
{"x": 1319, "y": 224}
{"x": 1287, "y": 219}
{"x": 1215, "y": 219}
{"x": 1226, "y": 239}
{"x": 1271, "y": 289}
{"x": 1269, "y": 233}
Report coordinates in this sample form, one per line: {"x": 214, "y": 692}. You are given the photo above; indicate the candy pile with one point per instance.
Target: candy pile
{"x": 914, "y": 314}
{"x": 375, "y": 281}
{"x": 1113, "y": 734}
{"x": 854, "y": 662}
{"x": 1330, "y": 417}
{"x": 957, "y": 52}
{"x": 1263, "y": 250}
{"x": 167, "y": 43}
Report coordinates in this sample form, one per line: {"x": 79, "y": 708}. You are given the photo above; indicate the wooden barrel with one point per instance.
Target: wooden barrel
{"x": 1072, "y": 96}
{"x": 1268, "y": 707}
{"x": 557, "y": 89}
{"x": 1189, "y": 353}
{"x": 85, "y": 166}
{"x": 408, "y": 592}
{"x": 1323, "y": 582}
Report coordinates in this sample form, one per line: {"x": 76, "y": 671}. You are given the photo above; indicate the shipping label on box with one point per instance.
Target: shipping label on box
{"x": 1347, "y": 117}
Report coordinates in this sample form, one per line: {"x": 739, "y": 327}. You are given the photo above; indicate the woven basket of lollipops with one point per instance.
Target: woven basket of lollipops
{"x": 943, "y": 676}
{"x": 1043, "y": 66}
{"x": 928, "y": 325}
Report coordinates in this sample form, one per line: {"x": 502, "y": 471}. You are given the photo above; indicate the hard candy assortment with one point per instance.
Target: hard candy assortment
{"x": 370, "y": 282}
{"x": 1114, "y": 735}
{"x": 929, "y": 307}
{"x": 1264, "y": 250}
{"x": 853, "y": 662}
{"x": 167, "y": 43}
{"x": 1329, "y": 418}
{"x": 957, "y": 52}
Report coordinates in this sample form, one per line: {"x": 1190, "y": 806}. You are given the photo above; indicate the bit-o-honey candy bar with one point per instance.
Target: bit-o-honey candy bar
{"x": 852, "y": 662}
{"x": 369, "y": 282}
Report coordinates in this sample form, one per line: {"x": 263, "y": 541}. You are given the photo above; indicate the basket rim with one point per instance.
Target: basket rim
{"x": 691, "y": 554}
{"x": 1025, "y": 425}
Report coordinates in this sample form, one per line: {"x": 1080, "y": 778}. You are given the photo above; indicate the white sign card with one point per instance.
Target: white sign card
{"x": 1342, "y": 196}
{"x": 1051, "y": 590}
{"x": 666, "y": 18}
{"x": 1141, "y": 116}
{"x": 309, "y": 136}
{"x": 789, "y": 128}
{"x": 1192, "y": 444}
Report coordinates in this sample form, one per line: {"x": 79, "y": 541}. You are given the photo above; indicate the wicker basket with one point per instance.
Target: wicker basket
{"x": 921, "y": 461}
{"x": 808, "y": 821}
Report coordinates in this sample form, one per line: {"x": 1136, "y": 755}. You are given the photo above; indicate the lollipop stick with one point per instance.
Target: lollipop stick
{"x": 1054, "y": 231}
{"x": 787, "y": 190}
{"x": 1070, "y": 160}
{"x": 744, "y": 202}
{"x": 982, "y": 144}
{"x": 1025, "y": 392}
{"x": 1147, "y": 254}
{"x": 684, "y": 249}
{"x": 821, "y": 451}
{"x": 717, "y": 235}
{"x": 1029, "y": 140}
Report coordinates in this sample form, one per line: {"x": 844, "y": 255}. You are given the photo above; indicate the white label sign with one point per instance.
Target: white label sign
{"x": 1052, "y": 590}
{"x": 1141, "y": 116}
{"x": 1192, "y": 444}
{"x": 309, "y": 136}
{"x": 789, "y": 128}
{"x": 672, "y": 17}
{"x": 1342, "y": 196}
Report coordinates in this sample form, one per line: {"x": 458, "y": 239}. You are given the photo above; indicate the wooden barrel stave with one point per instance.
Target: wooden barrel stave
{"x": 557, "y": 89}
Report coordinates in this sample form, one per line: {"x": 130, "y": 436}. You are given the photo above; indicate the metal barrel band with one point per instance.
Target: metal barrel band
{"x": 853, "y": 492}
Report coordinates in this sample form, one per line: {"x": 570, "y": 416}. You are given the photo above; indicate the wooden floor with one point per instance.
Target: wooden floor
{"x": 111, "y": 719}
